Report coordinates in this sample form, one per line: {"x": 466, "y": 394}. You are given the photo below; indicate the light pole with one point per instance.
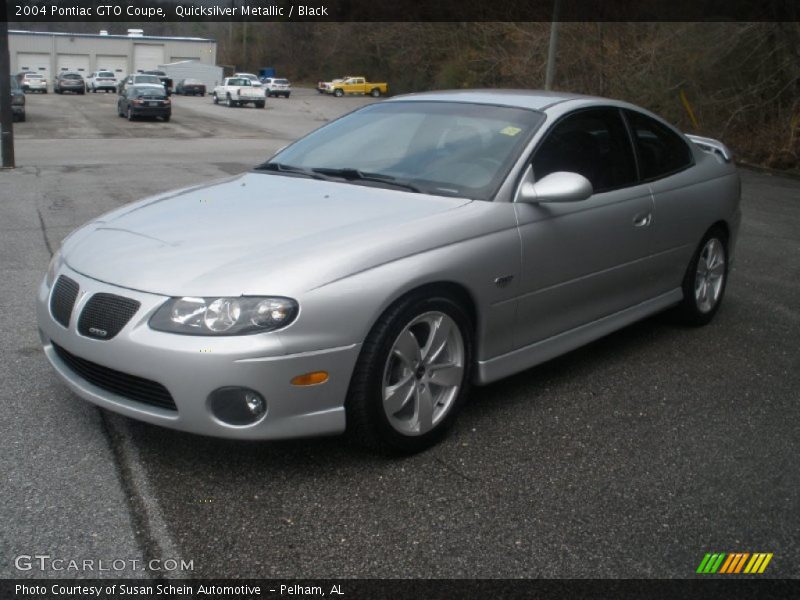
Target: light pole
{"x": 550, "y": 73}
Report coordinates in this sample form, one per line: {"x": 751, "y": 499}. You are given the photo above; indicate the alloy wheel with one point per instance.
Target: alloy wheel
{"x": 710, "y": 275}
{"x": 423, "y": 373}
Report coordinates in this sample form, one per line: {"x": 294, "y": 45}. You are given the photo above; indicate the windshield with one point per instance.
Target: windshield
{"x": 442, "y": 148}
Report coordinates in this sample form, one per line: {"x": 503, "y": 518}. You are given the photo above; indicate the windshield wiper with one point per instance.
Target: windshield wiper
{"x": 282, "y": 168}
{"x": 356, "y": 175}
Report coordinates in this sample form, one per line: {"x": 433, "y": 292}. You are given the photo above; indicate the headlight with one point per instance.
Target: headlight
{"x": 224, "y": 316}
{"x": 52, "y": 270}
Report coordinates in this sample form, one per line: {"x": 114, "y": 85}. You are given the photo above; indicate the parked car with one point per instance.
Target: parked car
{"x": 144, "y": 100}
{"x": 191, "y": 87}
{"x": 165, "y": 80}
{"x": 238, "y": 91}
{"x": 277, "y": 87}
{"x": 101, "y": 80}
{"x": 359, "y": 86}
{"x": 251, "y": 76}
{"x": 324, "y": 86}
{"x": 69, "y": 82}
{"x": 367, "y": 274}
{"x": 17, "y": 100}
{"x": 32, "y": 82}
{"x": 137, "y": 79}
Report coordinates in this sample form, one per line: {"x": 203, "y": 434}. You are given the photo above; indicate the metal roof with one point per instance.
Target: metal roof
{"x": 111, "y": 36}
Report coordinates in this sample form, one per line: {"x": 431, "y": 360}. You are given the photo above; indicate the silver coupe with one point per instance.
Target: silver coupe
{"x": 365, "y": 276}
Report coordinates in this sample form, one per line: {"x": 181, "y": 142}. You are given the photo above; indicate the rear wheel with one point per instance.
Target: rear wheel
{"x": 260, "y": 104}
{"x": 705, "y": 279}
{"x": 166, "y": 118}
{"x": 130, "y": 114}
{"x": 228, "y": 102}
{"x": 375, "y": 93}
{"x": 412, "y": 375}
{"x": 215, "y": 99}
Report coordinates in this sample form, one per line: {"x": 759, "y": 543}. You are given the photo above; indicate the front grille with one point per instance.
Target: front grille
{"x": 62, "y": 299}
{"x": 128, "y": 386}
{"x": 105, "y": 315}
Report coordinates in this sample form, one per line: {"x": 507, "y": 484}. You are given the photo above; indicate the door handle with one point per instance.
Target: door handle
{"x": 642, "y": 220}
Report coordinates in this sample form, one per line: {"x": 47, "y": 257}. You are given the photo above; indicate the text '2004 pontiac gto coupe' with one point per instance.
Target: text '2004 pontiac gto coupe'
{"x": 366, "y": 275}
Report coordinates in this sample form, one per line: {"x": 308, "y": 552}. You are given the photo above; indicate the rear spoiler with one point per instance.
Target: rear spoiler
{"x": 711, "y": 145}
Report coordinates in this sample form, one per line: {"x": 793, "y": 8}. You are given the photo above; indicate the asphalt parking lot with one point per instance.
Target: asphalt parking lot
{"x": 631, "y": 457}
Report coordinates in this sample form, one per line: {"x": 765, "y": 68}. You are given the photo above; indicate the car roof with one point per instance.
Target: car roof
{"x": 530, "y": 99}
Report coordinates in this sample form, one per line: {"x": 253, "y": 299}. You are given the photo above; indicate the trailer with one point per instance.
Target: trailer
{"x": 210, "y": 75}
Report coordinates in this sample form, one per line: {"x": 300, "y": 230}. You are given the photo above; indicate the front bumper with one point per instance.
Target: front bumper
{"x": 191, "y": 367}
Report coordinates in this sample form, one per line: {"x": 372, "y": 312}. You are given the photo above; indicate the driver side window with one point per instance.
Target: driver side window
{"x": 593, "y": 143}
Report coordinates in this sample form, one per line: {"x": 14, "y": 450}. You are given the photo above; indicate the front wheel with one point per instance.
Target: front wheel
{"x": 338, "y": 93}
{"x": 130, "y": 114}
{"x": 705, "y": 279}
{"x": 412, "y": 375}
{"x": 260, "y": 104}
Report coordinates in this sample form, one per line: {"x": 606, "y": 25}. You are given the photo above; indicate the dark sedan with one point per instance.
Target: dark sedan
{"x": 191, "y": 87}
{"x": 144, "y": 101}
{"x": 17, "y": 100}
{"x": 69, "y": 82}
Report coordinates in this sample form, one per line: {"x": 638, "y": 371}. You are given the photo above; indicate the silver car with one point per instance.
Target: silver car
{"x": 368, "y": 274}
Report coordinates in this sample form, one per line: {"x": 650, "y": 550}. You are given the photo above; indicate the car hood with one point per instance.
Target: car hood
{"x": 256, "y": 233}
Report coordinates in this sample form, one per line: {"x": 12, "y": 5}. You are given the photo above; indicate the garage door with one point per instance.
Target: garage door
{"x": 36, "y": 62}
{"x": 147, "y": 57}
{"x": 116, "y": 64}
{"x": 73, "y": 62}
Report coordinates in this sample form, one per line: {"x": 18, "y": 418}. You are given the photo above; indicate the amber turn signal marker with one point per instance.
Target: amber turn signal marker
{"x": 314, "y": 378}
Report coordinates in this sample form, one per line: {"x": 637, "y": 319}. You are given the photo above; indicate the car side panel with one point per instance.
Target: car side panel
{"x": 687, "y": 204}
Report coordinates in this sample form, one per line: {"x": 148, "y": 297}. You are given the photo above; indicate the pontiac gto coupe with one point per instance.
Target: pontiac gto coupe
{"x": 366, "y": 275}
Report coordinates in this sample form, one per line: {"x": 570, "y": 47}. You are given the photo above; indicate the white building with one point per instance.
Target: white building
{"x": 50, "y": 53}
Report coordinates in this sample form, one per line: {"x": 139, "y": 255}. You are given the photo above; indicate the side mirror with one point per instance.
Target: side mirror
{"x": 561, "y": 186}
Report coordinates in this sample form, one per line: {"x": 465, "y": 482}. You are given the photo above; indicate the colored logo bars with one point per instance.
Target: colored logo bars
{"x": 734, "y": 563}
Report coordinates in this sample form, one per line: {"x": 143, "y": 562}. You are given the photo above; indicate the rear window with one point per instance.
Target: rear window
{"x": 281, "y": 81}
{"x": 149, "y": 93}
{"x": 71, "y": 76}
{"x": 147, "y": 79}
{"x": 193, "y": 82}
{"x": 105, "y": 74}
{"x": 33, "y": 76}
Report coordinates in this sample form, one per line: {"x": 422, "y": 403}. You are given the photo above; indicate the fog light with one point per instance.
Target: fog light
{"x": 237, "y": 406}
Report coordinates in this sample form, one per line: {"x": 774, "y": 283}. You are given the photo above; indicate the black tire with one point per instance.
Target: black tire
{"x": 260, "y": 104}
{"x": 130, "y": 114}
{"x": 286, "y": 96}
{"x": 338, "y": 93}
{"x": 167, "y": 118}
{"x": 229, "y": 102}
{"x": 81, "y": 92}
{"x": 376, "y": 93}
{"x": 689, "y": 311}
{"x": 22, "y": 118}
{"x": 215, "y": 98}
{"x": 367, "y": 422}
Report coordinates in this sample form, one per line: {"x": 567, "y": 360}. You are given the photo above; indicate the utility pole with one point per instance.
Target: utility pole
{"x": 6, "y": 114}
{"x": 550, "y": 74}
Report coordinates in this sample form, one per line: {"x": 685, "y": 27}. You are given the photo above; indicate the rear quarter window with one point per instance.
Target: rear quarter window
{"x": 660, "y": 150}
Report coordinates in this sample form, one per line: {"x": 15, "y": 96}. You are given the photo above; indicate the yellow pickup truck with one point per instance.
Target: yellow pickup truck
{"x": 357, "y": 85}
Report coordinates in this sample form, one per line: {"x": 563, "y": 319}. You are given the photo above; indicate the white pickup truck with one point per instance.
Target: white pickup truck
{"x": 236, "y": 91}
